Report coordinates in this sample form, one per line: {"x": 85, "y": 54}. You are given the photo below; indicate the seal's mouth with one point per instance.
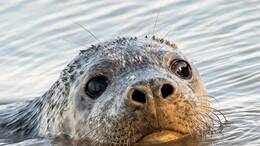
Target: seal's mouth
{"x": 161, "y": 136}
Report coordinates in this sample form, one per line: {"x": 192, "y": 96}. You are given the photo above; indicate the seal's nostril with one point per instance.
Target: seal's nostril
{"x": 167, "y": 90}
{"x": 138, "y": 96}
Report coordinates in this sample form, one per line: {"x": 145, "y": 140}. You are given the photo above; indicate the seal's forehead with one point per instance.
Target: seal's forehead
{"x": 129, "y": 49}
{"x": 131, "y": 53}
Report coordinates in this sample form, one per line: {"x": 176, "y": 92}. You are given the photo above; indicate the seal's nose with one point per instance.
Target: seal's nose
{"x": 140, "y": 96}
{"x": 166, "y": 90}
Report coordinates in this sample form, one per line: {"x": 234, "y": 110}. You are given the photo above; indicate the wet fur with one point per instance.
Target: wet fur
{"x": 65, "y": 110}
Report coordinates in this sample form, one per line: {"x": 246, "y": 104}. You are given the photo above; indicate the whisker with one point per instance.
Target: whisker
{"x": 214, "y": 109}
{"x": 221, "y": 114}
{"x": 207, "y": 120}
{"x": 211, "y": 108}
{"x": 207, "y": 126}
{"x": 87, "y": 30}
{"x": 219, "y": 121}
{"x": 155, "y": 24}
{"x": 202, "y": 118}
{"x": 156, "y": 19}
{"x": 211, "y": 96}
{"x": 207, "y": 117}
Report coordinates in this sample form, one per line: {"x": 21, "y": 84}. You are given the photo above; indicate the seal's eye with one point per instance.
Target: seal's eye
{"x": 182, "y": 69}
{"x": 96, "y": 86}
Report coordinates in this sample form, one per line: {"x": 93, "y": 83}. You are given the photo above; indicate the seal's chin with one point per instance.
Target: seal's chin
{"x": 162, "y": 136}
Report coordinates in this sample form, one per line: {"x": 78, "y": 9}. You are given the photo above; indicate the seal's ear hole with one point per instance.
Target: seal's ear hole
{"x": 96, "y": 86}
{"x": 182, "y": 69}
{"x": 167, "y": 90}
{"x": 138, "y": 96}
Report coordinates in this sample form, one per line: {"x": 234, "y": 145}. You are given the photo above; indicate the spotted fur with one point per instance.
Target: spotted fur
{"x": 65, "y": 109}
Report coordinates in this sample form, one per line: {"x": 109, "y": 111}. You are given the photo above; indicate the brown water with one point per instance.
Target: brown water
{"x": 38, "y": 38}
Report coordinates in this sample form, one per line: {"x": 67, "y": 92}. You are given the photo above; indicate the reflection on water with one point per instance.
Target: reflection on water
{"x": 38, "y": 38}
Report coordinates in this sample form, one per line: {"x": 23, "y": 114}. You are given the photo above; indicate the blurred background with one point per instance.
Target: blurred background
{"x": 222, "y": 37}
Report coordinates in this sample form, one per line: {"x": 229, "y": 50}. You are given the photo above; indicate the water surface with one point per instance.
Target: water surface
{"x": 38, "y": 38}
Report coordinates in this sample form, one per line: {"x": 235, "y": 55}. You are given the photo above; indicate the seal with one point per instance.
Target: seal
{"x": 120, "y": 92}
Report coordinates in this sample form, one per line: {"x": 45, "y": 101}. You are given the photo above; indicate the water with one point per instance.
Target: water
{"x": 38, "y": 38}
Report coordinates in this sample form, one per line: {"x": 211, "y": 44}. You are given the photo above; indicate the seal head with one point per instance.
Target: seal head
{"x": 121, "y": 91}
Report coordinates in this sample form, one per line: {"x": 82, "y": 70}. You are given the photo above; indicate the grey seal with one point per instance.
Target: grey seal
{"x": 116, "y": 92}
